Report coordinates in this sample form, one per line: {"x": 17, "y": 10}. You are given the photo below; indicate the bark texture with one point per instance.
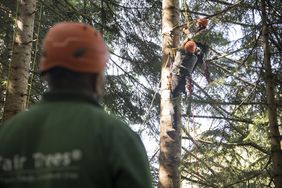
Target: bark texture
{"x": 276, "y": 153}
{"x": 170, "y": 118}
{"x": 19, "y": 70}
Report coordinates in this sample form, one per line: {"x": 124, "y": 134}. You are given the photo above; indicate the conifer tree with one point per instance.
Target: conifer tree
{"x": 16, "y": 93}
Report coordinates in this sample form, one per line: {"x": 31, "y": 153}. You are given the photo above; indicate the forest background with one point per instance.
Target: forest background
{"x": 227, "y": 142}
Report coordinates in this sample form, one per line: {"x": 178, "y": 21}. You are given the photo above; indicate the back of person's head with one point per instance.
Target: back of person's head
{"x": 59, "y": 78}
{"x": 72, "y": 52}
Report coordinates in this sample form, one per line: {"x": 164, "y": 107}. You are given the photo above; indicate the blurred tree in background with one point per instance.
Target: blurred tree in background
{"x": 229, "y": 139}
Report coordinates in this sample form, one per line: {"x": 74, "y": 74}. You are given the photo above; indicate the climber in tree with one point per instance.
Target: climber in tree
{"x": 201, "y": 24}
{"x": 197, "y": 32}
{"x": 202, "y": 47}
{"x": 196, "y": 28}
{"x": 183, "y": 67}
{"x": 189, "y": 55}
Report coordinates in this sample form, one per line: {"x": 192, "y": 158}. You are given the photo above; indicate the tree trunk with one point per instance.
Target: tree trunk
{"x": 276, "y": 153}
{"x": 20, "y": 65}
{"x": 170, "y": 118}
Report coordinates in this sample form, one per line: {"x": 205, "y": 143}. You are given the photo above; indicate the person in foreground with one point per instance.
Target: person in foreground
{"x": 67, "y": 140}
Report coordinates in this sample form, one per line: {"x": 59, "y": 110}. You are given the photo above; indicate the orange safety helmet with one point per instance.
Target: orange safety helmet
{"x": 203, "y": 22}
{"x": 74, "y": 46}
{"x": 190, "y": 46}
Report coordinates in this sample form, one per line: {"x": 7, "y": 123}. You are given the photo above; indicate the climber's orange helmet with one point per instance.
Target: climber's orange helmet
{"x": 203, "y": 22}
{"x": 74, "y": 46}
{"x": 190, "y": 46}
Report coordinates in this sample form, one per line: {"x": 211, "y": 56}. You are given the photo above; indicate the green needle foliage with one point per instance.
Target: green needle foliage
{"x": 226, "y": 143}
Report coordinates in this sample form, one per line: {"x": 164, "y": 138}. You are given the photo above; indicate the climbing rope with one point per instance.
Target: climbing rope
{"x": 206, "y": 72}
{"x": 149, "y": 109}
{"x": 142, "y": 127}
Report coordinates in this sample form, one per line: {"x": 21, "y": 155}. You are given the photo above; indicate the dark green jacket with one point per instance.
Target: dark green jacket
{"x": 67, "y": 140}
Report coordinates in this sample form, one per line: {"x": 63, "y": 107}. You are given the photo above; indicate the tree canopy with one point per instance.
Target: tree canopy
{"x": 226, "y": 140}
